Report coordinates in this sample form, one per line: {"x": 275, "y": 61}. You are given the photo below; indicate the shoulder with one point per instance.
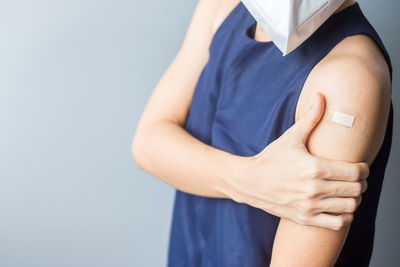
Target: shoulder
{"x": 225, "y": 7}
{"x": 354, "y": 78}
{"x": 354, "y": 73}
{"x": 356, "y": 59}
{"x": 206, "y": 19}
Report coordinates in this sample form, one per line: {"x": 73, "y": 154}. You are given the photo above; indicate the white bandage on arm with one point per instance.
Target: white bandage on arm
{"x": 343, "y": 118}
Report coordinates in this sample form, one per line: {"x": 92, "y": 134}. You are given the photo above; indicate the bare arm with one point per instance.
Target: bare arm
{"x": 356, "y": 85}
{"x": 183, "y": 161}
{"x": 162, "y": 147}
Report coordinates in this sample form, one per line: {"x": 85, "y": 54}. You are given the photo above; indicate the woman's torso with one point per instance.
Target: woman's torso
{"x": 246, "y": 98}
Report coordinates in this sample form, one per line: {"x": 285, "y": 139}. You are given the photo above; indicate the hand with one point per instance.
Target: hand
{"x": 284, "y": 179}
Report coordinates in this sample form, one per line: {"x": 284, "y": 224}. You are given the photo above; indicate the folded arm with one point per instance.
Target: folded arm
{"x": 353, "y": 83}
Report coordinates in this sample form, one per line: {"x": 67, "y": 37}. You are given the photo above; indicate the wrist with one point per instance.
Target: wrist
{"x": 233, "y": 177}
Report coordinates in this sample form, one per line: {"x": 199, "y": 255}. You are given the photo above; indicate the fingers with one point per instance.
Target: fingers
{"x": 344, "y": 171}
{"x": 331, "y": 221}
{"x": 338, "y": 205}
{"x": 310, "y": 119}
{"x": 331, "y": 189}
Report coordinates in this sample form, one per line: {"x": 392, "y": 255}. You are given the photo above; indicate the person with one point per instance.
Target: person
{"x": 263, "y": 176}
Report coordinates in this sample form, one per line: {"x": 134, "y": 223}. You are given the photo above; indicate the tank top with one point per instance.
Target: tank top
{"x": 244, "y": 99}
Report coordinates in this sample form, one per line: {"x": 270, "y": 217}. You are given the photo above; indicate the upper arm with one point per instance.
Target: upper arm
{"x": 357, "y": 86}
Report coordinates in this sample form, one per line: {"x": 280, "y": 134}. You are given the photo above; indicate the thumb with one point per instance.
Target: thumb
{"x": 311, "y": 117}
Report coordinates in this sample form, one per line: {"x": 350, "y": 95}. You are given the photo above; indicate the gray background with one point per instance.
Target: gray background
{"x": 74, "y": 78}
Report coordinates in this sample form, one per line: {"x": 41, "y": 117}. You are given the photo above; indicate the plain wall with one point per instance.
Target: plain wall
{"x": 75, "y": 76}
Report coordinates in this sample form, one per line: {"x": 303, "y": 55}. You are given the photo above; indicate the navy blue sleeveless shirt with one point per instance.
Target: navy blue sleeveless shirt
{"x": 246, "y": 98}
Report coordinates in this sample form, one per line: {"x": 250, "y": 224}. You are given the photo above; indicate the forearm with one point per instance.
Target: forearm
{"x": 169, "y": 152}
{"x": 306, "y": 246}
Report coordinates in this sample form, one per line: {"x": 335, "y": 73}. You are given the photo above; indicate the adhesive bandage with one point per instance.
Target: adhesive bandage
{"x": 343, "y": 119}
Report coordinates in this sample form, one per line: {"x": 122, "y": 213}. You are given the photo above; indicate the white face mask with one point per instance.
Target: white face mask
{"x": 290, "y": 22}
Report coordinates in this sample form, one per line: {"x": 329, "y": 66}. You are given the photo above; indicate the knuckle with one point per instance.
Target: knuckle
{"x": 314, "y": 170}
{"x": 307, "y": 206}
{"x": 312, "y": 190}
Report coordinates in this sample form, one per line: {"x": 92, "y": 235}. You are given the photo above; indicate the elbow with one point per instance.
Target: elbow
{"x": 141, "y": 146}
{"x": 137, "y": 150}
{"x": 145, "y": 143}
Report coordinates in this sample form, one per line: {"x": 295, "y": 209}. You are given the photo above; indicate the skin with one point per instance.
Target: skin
{"x": 302, "y": 193}
{"x": 355, "y": 79}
